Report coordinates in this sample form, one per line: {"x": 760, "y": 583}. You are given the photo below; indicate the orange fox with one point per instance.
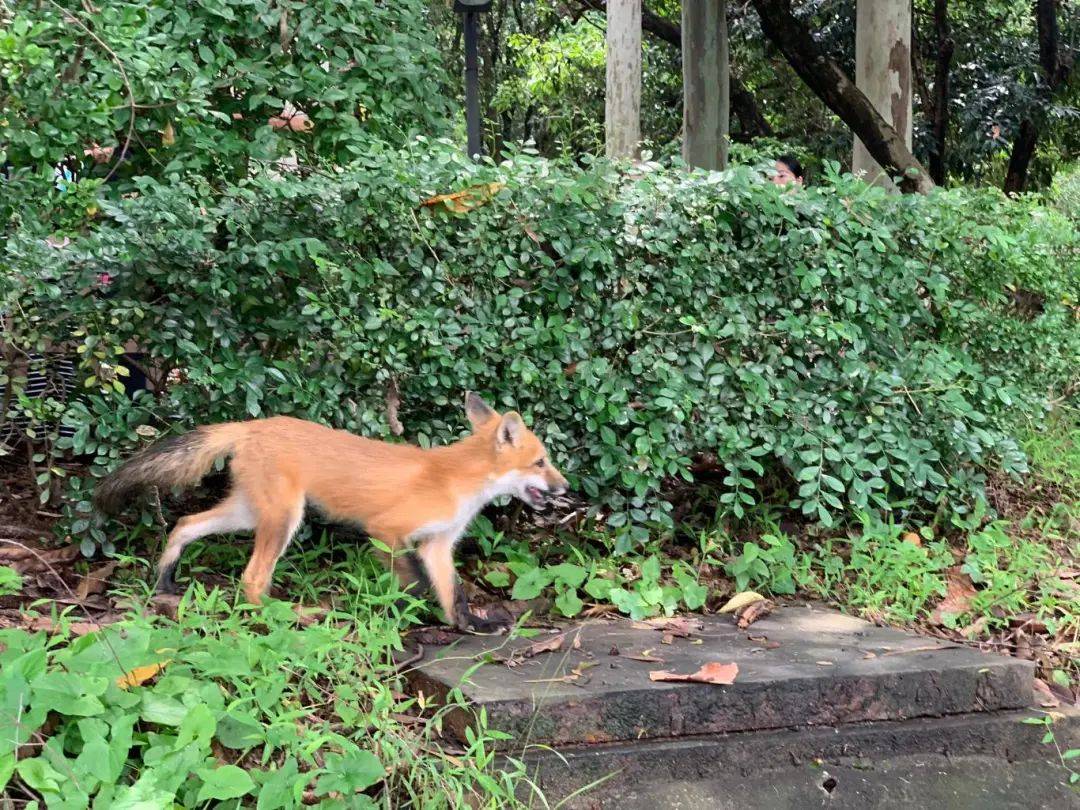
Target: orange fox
{"x": 418, "y": 502}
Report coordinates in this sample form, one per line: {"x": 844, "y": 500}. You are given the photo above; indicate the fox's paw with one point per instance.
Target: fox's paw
{"x": 475, "y": 623}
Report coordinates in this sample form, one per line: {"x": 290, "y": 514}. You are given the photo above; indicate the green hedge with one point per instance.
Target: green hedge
{"x": 861, "y": 350}
{"x": 206, "y": 79}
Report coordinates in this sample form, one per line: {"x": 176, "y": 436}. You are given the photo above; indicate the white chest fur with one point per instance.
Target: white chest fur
{"x": 467, "y": 508}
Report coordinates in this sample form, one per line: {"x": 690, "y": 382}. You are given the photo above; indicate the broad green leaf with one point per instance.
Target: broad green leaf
{"x": 225, "y": 782}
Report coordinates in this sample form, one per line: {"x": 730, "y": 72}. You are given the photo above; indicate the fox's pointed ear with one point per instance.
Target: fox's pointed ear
{"x": 478, "y": 411}
{"x": 509, "y": 431}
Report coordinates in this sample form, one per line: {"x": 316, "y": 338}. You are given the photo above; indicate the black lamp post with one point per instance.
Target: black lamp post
{"x": 468, "y": 10}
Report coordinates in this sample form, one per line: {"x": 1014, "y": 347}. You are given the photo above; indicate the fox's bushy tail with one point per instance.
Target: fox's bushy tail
{"x": 178, "y": 461}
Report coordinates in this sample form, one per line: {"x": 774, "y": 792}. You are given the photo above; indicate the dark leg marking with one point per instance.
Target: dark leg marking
{"x": 166, "y": 582}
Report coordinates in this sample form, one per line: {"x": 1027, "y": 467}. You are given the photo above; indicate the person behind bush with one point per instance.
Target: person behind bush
{"x": 787, "y": 170}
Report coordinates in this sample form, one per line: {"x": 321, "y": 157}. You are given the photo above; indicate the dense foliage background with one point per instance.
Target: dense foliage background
{"x": 172, "y": 88}
{"x": 836, "y": 347}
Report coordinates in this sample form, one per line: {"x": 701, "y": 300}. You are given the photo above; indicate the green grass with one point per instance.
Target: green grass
{"x": 1054, "y": 452}
{"x": 241, "y": 706}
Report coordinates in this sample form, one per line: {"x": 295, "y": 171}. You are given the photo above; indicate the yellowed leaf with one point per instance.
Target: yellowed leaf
{"x": 741, "y": 600}
{"x": 140, "y": 675}
{"x": 461, "y": 201}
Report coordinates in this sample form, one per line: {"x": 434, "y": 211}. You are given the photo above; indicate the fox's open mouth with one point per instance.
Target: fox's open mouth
{"x": 536, "y": 497}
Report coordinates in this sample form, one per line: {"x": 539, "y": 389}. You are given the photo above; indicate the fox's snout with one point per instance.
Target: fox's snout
{"x": 557, "y": 485}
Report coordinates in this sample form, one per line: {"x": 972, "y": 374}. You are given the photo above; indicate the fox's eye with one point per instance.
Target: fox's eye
{"x": 540, "y": 463}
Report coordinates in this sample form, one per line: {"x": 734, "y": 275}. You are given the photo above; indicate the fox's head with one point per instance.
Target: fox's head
{"x": 521, "y": 461}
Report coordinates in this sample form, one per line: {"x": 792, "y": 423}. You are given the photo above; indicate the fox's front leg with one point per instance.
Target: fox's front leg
{"x": 437, "y": 556}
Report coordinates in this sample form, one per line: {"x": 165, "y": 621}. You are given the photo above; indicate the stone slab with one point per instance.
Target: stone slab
{"x": 802, "y": 666}
{"x": 989, "y": 757}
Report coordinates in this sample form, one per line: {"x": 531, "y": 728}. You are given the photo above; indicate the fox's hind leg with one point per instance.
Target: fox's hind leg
{"x": 231, "y": 515}
{"x": 272, "y": 535}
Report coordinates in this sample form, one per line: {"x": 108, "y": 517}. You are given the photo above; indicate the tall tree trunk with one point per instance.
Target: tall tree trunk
{"x": 1020, "y": 157}
{"x": 752, "y": 123}
{"x": 940, "y": 120}
{"x": 705, "y": 83}
{"x": 829, "y": 82}
{"x": 622, "y": 110}
{"x": 1055, "y": 72}
{"x": 883, "y": 74}
{"x": 1046, "y": 24}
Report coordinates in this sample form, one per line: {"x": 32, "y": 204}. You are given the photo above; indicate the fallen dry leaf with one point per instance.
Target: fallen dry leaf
{"x": 712, "y": 672}
{"x": 1047, "y": 699}
{"x": 30, "y": 560}
{"x": 44, "y": 623}
{"x": 168, "y": 135}
{"x": 958, "y": 595}
{"x": 914, "y": 539}
{"x": 647, "y": 656}
{"x": 869, "y": 655}
{"x": 741, "y": 600}
{"x": 754, "y": 611}
{"x": 667, "y": 638}
{"x": 594, "y": 611}
{"x": 95, "y": 581}
{"x": 140, "y": 675}
{"x": 552, "y": 644}
{"x": 680, "y": 626}
{"x": 825, "y": 663}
